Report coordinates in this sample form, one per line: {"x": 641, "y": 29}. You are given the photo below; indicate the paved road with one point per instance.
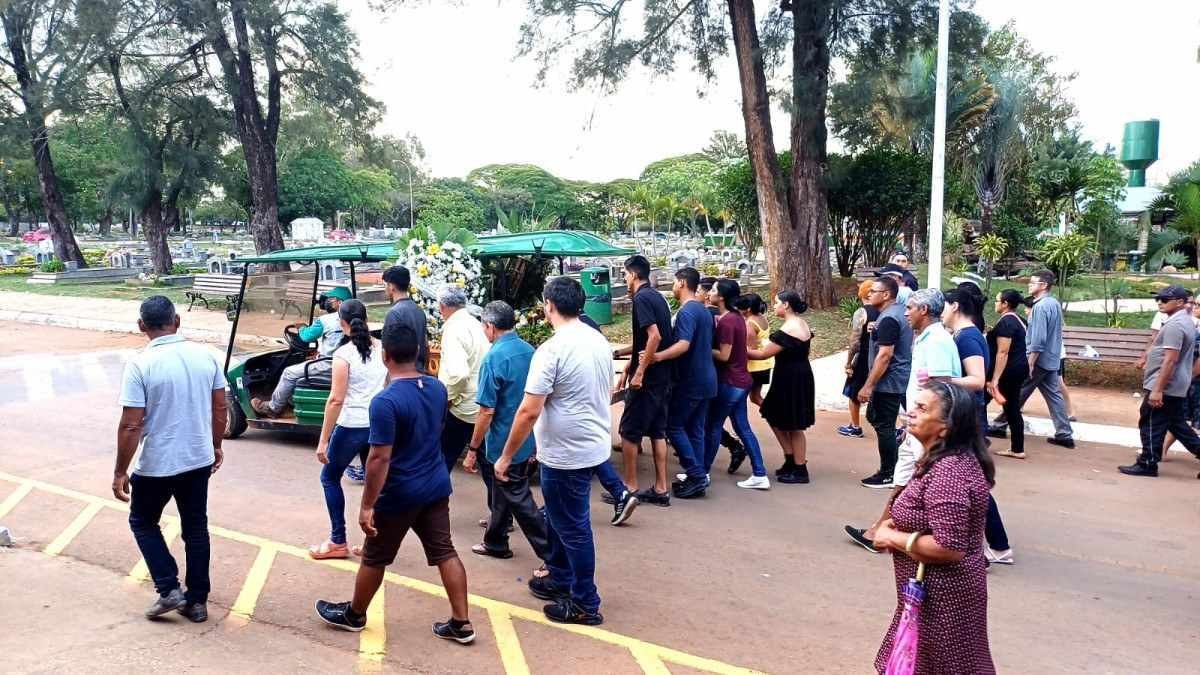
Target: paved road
{"x": 762, "y": 581}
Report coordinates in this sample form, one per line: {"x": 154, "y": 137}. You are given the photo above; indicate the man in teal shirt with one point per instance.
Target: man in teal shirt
{"x": 502, "y": 378}
{"x": 326, "y": 331}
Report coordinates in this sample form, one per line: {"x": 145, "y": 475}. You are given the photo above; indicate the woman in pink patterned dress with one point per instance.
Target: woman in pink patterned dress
{"x": 939, "y": 520}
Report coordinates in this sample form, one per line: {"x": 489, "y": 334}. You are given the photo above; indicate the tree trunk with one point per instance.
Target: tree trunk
{"x": 105, "y": 221}
{"x": 804, "y": 245}
{"x": 155, "y": 231}
{"x": 16, "y": 29}
{"x": 760, "y": 144}
{"x": 14, "y": 221}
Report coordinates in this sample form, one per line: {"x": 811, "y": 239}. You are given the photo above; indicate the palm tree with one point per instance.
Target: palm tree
{"x": 995, "y": 147}
{"x": 1181, "y": 198}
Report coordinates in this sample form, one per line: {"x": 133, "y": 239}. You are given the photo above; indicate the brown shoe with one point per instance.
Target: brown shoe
{"x": 262, "y": 407}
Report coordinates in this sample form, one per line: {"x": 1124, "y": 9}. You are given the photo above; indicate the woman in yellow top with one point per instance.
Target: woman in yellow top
{"x": 758, "y": 333}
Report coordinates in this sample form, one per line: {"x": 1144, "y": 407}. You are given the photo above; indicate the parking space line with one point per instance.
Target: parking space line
{"x": 81, "y": 521}
{"x": 372, "y": 641}
{"x": 511, "y": 654}
{"x": 649, "y": 661}
{"x": 23, "y": 488}
{"x": 247, "y": 598}
{"x": 170, "y": 529}
{"x": 641, "y": 650}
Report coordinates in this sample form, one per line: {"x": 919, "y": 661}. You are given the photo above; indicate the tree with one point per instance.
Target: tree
{"x": 264, "y": 47}
{"x": 871, "y": 197}
{"x": 549, "y": 194}
{"x": 1181, "y": 199}
{"x": 725, "y": 146}
{"x": 1060, "y": 173}
{"x": 89, "y": 159}
{"x": 995, "y": 147}
{"x": 314, "y": 183}
{"x": 451, "y": 203}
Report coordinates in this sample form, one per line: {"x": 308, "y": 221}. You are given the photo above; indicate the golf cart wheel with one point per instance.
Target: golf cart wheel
{"x": 235, "y": 419}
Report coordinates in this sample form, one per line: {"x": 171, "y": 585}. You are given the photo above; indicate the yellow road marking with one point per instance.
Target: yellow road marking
{"x": 507, "y": 642}
{"x": 170, "y": 529}
{"x": 634, "y": 645}
{"x": 15, "y": 498}
{"x": 649, "y": 661}
{"x": 255, "y": 580}
{"x": 81, "y": 521}
{"x": 372, "y": 641}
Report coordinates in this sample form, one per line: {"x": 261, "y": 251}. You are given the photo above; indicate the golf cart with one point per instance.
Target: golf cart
{"x": 254, "y": 364}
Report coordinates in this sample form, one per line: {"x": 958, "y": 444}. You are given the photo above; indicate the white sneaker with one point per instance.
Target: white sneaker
{"x": 993, "y": 556}
{"x": 755, "y": 483}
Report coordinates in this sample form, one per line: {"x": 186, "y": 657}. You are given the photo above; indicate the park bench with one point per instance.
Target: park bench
{"x": 865, "y": 273}
{"x": 1113, "y": 345}
{"x": 299, "y": 294}
{"x": 212, "y": 286}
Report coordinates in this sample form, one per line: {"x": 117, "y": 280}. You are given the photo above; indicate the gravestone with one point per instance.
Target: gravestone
{"x": 189, "y": 248}
{"x": 331, "y": 270}
{"x": 218, "y": 266}
{"x": 308, "y": 229}
{"x": 42, "y": 258}
{"x": 7, "y": 257}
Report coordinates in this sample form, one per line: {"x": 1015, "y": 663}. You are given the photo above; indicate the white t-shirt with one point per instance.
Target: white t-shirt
{"x": 366, "y": 380}
{"x": 573, "y": 370}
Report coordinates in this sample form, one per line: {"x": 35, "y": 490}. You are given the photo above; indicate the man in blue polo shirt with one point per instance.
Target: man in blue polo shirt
{"x": 502, "y": 377}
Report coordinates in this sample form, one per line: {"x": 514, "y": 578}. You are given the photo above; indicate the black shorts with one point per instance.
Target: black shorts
{"x": 432, "y": 525}
{"x": 761, "y": 378}
{"x": 645, "y": 413}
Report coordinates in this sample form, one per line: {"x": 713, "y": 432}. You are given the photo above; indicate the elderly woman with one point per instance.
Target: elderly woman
{"x": 464, "y": 345}
{"x": 938, "y": 520}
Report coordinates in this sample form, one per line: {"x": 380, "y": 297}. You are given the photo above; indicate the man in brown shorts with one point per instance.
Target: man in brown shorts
{"x": 407, "y": 488}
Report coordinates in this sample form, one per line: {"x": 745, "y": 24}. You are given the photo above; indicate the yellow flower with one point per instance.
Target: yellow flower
{"x": 461, "y": 284}
{"x": 423, "y": 270}
{"x": 434, "y": 248}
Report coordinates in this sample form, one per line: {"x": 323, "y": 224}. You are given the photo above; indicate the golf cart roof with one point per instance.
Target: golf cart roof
{"x": 552, "y": 243}
{"x": 342, "y": 252}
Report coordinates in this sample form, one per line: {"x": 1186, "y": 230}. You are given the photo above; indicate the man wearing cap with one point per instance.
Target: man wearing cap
{"x": 1168, "y": 375}
{"x": 897, "y": 272}
{"x": 326, "y": 331}
{"x": 900, "y": 259}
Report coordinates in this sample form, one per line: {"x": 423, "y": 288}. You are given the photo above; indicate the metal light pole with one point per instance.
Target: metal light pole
{"x": 411, "y": 204}
{"x": 938, "y": 180}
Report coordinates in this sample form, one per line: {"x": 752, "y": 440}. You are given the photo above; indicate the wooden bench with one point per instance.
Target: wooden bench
{"x": 865, "y": 273}
{"x": 1114, "y": 345}
{"x": 211, "y": 286}
{"x": 299, "y": 294}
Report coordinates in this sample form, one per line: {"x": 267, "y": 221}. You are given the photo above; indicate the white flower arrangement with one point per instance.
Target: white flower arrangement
{"x": 436, "y": 264}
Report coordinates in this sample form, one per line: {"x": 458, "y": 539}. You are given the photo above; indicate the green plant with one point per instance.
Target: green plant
{"x": 848, "y": 306}
{"x": 991, "y": 248}
{"x": 1174, "y": 258}
{"x": 52, "y": 266}
{"x": 94, "y": 256}
{"x": 532, "y": 326}
{"x": 179, "y": 268}
{"x": 731, "y": 273}
{"x": 1063, "y": 254}
{"x": 711, "y": 270}
{"x": 659, "y": 261}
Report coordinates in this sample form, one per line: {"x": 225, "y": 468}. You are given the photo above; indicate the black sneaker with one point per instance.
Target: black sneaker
{"x": 1064, "y": 442}
{"x": 650, "y": 496}
{"x": 859, "y": 537}
{"x": 737, "y": 452}
{"x": 997, "y": 432}
{"x": 787, "y": 468}
{"x": 798, "y": 474}
{"x": 623, "y": 509}
{"x": 565, "y": 611}
{"x": 544, "y": 589}
{"x": 877, "y": 482}
{"x": 196, "y": 612}
{"x": 691, "y": 488}
{"x": 1139, "y": 469}
{"x": 464, "y": 635}
{"x": 170, "y": 602}
{"x": 339, "y": 615}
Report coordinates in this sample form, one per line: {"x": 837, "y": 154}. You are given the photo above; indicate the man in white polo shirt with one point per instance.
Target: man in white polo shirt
{"x": 173, "y": 403}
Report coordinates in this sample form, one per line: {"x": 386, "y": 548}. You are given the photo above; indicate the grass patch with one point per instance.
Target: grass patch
{"x": 117, "y": 291}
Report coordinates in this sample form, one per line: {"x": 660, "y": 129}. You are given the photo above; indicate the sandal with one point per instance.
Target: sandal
{"x": 480, "y": 549}
{"x": 356, "y": 550}
{"x": 327, "y": 549}
{"x": 541, "y": 572}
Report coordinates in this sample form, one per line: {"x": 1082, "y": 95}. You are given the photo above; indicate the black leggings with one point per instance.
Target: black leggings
{"x": 1010, "y": 388}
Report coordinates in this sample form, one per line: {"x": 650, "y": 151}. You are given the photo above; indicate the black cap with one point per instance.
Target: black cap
{"x": 890, "y": 268}
{"x": 1173, "y": 293}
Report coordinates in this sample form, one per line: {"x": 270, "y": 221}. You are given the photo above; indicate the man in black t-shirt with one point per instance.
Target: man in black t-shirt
{"x": 649, "y": 383}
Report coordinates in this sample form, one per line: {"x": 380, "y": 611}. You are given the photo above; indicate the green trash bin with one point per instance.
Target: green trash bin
{"x": 1135, "y": 261}
{"x": 597, "y": 293}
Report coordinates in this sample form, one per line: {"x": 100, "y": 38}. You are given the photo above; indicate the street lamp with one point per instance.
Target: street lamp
{"x": 410, "y": 191}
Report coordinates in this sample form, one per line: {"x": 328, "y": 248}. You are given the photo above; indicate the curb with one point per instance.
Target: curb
{"x": 104, "y": 325}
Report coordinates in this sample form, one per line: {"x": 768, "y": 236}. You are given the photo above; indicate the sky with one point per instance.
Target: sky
{"x": 448, "y": 73}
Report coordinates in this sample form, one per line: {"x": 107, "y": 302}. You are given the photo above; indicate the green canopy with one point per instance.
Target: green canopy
{"x": 343, "y": 252}
{"x": 549, "y": 243}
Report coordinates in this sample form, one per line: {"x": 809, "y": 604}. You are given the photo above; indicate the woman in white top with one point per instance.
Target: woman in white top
{"x": 358, "y": 374}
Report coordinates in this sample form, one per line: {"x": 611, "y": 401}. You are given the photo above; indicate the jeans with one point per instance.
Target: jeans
{"x": 609, "y": 479}
{"x": 149, "y": 495}
{"x": 512, "y": 499}
{"x": 320, "y": 370}
{"x": 344, "y": 445}
{"x": 881, "y": 415}
{"x": 456, "y": 434}
{"x": 687, "y": 434}
{"x": 993, "y": 528}
{"x": 1154, "y": 423}
{"x": 1047, "y": 382}
{"x": 730, "y": 403}
{"x": 571, "y": 551}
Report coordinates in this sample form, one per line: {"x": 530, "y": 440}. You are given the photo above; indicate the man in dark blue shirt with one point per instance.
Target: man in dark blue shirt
{"x": 407, "y": 487}
{"x": 695, "y": 383}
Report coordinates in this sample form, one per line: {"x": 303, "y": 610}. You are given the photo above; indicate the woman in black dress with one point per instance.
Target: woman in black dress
{"x": 789, "y": 406}
{"x": 1009, "y": 368}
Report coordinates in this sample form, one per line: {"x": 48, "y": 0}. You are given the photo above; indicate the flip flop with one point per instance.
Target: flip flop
{"x": 1009, "y": 453}
{"x": 541, "y": 572}
{"x": 327, "y": 550}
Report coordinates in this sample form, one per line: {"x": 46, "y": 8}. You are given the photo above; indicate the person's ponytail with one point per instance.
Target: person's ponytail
{"x": 354, "y": 313}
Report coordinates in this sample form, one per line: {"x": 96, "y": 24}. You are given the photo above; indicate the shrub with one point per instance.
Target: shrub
{"x": 179, "y": 268}
{"x": 53, "y": 266}
{"x": 21, "y": 271}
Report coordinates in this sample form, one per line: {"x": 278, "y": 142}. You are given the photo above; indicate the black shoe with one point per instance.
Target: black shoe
{"x": 565, "y": 611}
{"x": 463, "y": 635}
{"x": 339, "y": 615}
{"x": 544, "y": 589}
{"x": 877, "y": 482}
{"x": 798, "y": 474}
{"x": 692, "y": 488}
{"x": 170, "y": 602}
{"x": 623, "y": 510}
{"x": 857, "y": 536}
{"x": 737, "y": 452}
{"x": 196, "y": 612}
{"x": 788, "y": 467}
{"x": 650, "y": 496}
{"x": 997, "y": 432}
{"x": 1064, "y": 442}
{"x": 1139, "y": 469}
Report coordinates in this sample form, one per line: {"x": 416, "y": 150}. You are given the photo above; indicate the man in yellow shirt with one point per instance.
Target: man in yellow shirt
{"x": 464, "y": 345}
